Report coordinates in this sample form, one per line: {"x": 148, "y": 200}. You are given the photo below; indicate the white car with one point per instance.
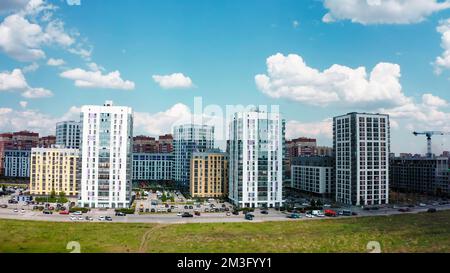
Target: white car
{"x": 22, "y": 211}
{"x": 422, "y": 205}
{"x": 179, "y": 214}
{"x": 77, "y": 213}
{"x": 320, "y": 215}
{"x": 327, "y": 206}
{"x": 16, "y": 210}
{"x": 73, "y": 218}
{"x": 309, "y": 215}
{"x": 101, "y": 218}
{"x": 80, "y": 218}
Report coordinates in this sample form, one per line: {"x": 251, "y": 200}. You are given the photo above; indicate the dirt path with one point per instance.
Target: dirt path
{"x": 145, "y": 237}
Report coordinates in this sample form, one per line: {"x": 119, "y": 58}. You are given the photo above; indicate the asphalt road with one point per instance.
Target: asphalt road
{"x": 273, "y": 215}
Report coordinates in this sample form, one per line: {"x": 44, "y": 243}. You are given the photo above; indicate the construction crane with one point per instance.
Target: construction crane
{"x": 429, "y": 134}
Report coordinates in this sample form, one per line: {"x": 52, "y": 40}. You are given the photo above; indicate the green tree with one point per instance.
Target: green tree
{"x": 52, "y": 194}
{"x": 319, "y": 203}
{"x": 313, "y": 203}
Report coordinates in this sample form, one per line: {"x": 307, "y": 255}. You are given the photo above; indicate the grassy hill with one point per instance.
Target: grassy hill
{"x": 423, "y": 232}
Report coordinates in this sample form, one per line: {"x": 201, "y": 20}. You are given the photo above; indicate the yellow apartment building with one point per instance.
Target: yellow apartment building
{"x": 53, "y": 169}
{"x": 209, "y": 175}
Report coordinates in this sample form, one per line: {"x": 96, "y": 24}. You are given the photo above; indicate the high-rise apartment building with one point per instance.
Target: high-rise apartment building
{"x": 165, "y": 144}
{"x": 187, "y": 139}
{"x": 68, "y": 134}
{"x": 209, "y": 174}
{"x": 17, "y": 163}
{"x": 106, "y": 156}
{"x": 362, "y": 145}
{"x": 256, "y": 159}
{"x": 313, "y": 174}
{"x": 54, "y": 169}
{"x": 146, "y": 144}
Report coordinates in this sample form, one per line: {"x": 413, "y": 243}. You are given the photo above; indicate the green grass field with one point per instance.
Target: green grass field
{"x": 423, "y": 232}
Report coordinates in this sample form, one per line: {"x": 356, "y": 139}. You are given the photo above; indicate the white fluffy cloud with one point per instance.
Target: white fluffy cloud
{"x": 443, "y": 61}
{"x": 382, "y": 11}
{"x": 15, "y": 81}
{"x": 33, "y": 120}
{"x": 296, "y": 129}
{"x": 23, "y": 40}
{"x": 95, "y": 79}
{"x": 291, "y": 78}
{"x": 23, "y": 104}
{"x": 175, "y": 80}
{"x": 162, "y": 122}
{"x": 55, "y": 62}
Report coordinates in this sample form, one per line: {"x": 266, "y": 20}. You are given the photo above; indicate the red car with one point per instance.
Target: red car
{"x": 64, "y": 212}
{"x": 330, "y": 213}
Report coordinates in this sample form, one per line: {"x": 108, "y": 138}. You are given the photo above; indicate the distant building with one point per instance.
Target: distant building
{"x": 47, "y": 141}
{"x": 68, "y": 134}
{"x": 152, "y": 167}
{"x": 209, "y": 174}
{"x": 362, "y": 147}
{"x": 188, "y": 139}
{"x": 23, "y": 140}
{"x": 301, "y": 146}
{"x": 17, "y": 163}
{"x": 165, "y": 144}
{"x": 54, "y": 169}
{"x": 313, "y": 174}
{"x": 324, "y": 151}
{"x": 106, "y": 156}
{"x": 420, "y": 175}
{"x": 146, "y": 144}
{"x": 256, "y": 159}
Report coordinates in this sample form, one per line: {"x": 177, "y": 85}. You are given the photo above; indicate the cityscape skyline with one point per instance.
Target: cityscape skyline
{"x": 297, "y": 61}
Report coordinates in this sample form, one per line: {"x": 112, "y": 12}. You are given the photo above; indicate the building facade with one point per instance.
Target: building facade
{"x": 17, "y": 163}
{"x": 362, "y": 146}
{"x": 54, "y": 169}
{"x": 68, "y": 134}
{"x": 256, "y": 159}
{"x": 313, "y": 174}
{"x": 106, "y": 156}
{"x": 209, "y": 175}
{"x": 152, "y": 167}
{"x": 188, "y": 139}
{"x": 23, "y": 140}
{"x": 47, "y": 141}
{"x": 301, "y": 146}
{"x": 420, "y": 175}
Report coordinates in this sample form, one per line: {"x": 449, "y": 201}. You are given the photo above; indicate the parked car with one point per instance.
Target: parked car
{"x": 64, "y": 212}
{"x": 197, "y": 213}
{"x": 264, "y": 212}
{"x": 294, "y": 216}
{"x": 153, "y": 210}
{"x": 346, "y": 213}
{"x": 179, "y": 214}
{"x": 73, "y": 218}
{"x": 108, "y": 218}
{"x": 422, "y": 205}
{"x": 404, "y": 210}
{"x": 309, "y": 215}
{"x": 228, "y": 214}
{"x": 89, "y": 218}
{"x": 249, "y": 216}
{"x": 432, "y": 210}
{"x": 77, "y": 213}
{"x": 119, "y": 213}
{"x": 101, "y": 218}
{"x": 235, "y": 212}
{"x": 187, "y": 215}
{"x": 47, "y": 212}
{"x": 191, "y": 207}
{"x": 186, "y": 207}
{"x": 3, "y": 206}
{"x": 330, "y": 213}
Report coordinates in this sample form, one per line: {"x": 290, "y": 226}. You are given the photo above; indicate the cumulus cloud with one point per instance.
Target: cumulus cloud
{"x": 24, "y": 40}
{"x": 382, "y": 11}
{"x": 30, "y": 68}
{"x": 95, "y": 79}
{"x": 443, "y": 61}
{"x": 175, "y": 80}
{"x": 15, "y": 81}
{"x": 291, "y": 78}
{"x": 322, "y": 128}
{"x": 33, "y": 120}
{"x": 23, "y": 104}
{"x": 55, "y": 62}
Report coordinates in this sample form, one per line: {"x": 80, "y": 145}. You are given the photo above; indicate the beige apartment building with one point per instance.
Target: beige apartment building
{"x": 209, "y": 174}
{"x": 53, "y": 169}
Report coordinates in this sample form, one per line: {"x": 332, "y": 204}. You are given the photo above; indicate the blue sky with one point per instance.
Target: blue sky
{"x": 219, "y": 47}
